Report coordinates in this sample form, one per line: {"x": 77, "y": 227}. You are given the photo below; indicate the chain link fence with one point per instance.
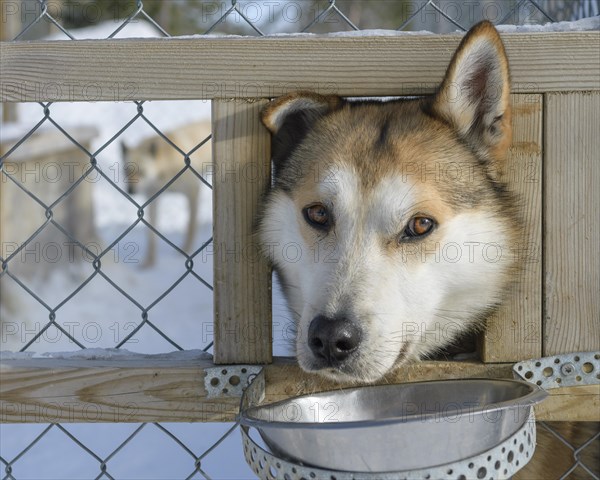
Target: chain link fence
{"x": 193, "y": 447}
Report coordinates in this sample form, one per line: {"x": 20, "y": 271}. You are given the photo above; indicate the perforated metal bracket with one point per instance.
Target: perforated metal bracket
{"x": 566, "y": 370}
{"x": 229, "y": 380}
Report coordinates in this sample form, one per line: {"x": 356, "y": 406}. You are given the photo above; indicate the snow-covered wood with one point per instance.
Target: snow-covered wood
{"x": 243, "y": 67}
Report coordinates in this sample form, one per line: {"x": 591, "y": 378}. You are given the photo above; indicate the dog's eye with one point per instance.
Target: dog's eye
{"x": 417, "y": 227}
{"x": 317, "y": 215}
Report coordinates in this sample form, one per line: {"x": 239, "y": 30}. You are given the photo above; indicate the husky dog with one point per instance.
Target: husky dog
{"x": 404, "y": 225}
{"x": 152, "y": 163}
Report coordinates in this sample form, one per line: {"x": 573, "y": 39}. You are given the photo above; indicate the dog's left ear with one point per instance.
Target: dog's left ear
{"x": 474, "y": 97}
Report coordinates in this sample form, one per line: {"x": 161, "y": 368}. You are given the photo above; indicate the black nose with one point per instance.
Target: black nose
{"x": 333, "y": 339}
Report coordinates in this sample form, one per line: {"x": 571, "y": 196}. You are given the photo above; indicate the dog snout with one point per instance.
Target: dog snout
{"x": 333, "y": 339}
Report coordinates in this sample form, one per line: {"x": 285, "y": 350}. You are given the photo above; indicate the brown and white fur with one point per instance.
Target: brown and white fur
{"x": 403, "y": 226}
{"x": 152, "y": 163}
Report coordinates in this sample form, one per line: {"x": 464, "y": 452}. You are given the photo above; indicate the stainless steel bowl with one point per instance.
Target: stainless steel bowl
{"x": 395, "y": 427}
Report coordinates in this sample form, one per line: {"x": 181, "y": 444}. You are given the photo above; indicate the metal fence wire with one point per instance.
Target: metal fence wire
{"x": 217, "y": 17}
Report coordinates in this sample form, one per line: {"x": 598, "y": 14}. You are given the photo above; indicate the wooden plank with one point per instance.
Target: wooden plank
{"x": 242, "y": 277}
{"x": 11, "y": 24}
{"x": 285, "y": 379}
{"x": 567, "y": 404}
{"x": 49, "y": 390}
{"x": 514, "y": 332}
{"x": 172, "y": 390}
{"x": 571, "y": 227}
{"x": 193, "y": 68}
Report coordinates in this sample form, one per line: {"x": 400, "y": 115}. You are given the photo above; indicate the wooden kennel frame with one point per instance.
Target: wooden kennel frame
{"x": 554, "y": 160}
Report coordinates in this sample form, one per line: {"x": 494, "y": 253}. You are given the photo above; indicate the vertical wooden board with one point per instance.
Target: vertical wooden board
{"x": 10, "y": 26}
{"x": 571, "y": 226}
{"x": 513, "y": 333}
{"x": 242, "y": 278}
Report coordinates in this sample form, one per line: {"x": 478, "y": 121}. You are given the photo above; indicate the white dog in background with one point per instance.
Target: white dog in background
{"x": 152, "y": 163}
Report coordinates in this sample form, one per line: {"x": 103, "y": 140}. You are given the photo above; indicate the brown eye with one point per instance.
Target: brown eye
{"x": 417, "y": 227}
{"x": 317, "y": 215}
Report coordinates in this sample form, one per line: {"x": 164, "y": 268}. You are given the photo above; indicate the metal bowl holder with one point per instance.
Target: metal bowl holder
{"x": 500, "y": 462}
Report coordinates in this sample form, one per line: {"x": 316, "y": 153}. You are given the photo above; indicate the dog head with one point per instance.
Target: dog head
{"x": 140, "y": 165}
{"x": 387, "y": 223}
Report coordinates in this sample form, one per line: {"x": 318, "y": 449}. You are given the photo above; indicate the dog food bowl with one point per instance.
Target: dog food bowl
{"x": 394, "y": 427}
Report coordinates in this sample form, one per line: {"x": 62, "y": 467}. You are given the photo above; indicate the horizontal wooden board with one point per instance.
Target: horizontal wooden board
{"x": 55, "y": 390}
{"x": 243, "y": 67}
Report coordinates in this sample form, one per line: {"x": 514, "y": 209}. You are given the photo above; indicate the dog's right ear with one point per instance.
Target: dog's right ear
{"x": 290, "y": 118}
{"x": 298, "y": 107}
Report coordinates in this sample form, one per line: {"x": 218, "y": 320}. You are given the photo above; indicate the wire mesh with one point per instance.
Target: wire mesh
{"x": 256, "y": 18}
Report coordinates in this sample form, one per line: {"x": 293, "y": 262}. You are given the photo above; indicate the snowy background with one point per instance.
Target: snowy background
{"x": 100, "y": 317}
